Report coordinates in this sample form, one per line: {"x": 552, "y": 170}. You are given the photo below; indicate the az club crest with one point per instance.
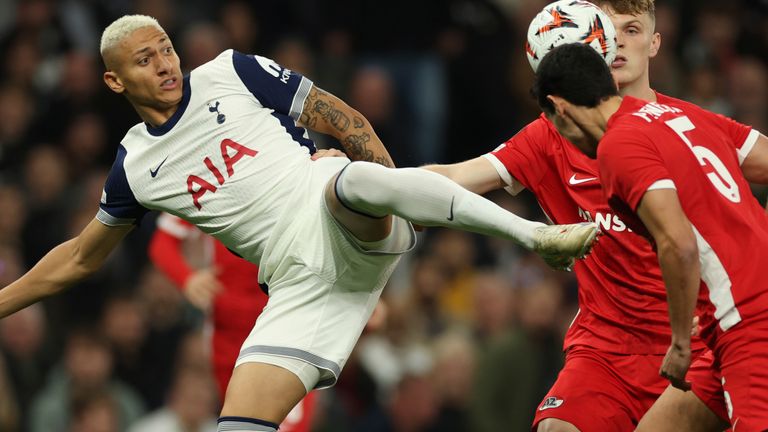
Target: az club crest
{"x": 551, "y": 402}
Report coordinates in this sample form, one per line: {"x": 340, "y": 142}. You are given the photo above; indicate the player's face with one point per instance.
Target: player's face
{"x": 637, "y": 43}
{"x": 569, "y": 129}
{"x": 146, "y": 69}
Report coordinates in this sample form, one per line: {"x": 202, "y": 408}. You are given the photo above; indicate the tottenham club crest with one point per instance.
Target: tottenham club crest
{"x": 220, "y": 118}
{"x": 551, "y": 402}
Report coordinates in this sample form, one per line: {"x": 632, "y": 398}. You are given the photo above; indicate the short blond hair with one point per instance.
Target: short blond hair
{"x": 123, "y": 27}
{"x": 631, "y": 7}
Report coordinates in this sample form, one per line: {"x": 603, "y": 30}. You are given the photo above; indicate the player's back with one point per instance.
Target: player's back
{"x": 229, "y": 159}
{"x": 730, "y": 225}
{"x": 621, "y": 293}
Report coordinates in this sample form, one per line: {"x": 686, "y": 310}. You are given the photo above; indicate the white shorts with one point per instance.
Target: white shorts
{"x": 323, "y": 286}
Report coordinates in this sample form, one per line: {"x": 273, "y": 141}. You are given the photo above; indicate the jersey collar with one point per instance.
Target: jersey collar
{"x": 628, "y": 104}
{"x": 168, "y": 125}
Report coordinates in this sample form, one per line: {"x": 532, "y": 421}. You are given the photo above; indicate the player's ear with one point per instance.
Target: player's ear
{"x": 655, "y": 45}
{"x": 114, "y": 82}
{"x": 559, "y": 104}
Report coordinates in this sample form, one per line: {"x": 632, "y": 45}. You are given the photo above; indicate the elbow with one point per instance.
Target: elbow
{"x": 81, "y": 266}
{"x": 683, "y": 250}
{"x": 81, "y": 269}
{"x": 689, "y": 256}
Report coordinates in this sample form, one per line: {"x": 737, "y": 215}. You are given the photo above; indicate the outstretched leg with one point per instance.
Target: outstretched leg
{"x": 363, "y": 194}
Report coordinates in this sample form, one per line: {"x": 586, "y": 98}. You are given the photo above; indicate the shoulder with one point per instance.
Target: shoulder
{"x": 541, "y": 128}
{"x": 625, "y": 134}
{"x": 628, "y": 128}
{"x": 219, "y": 70}
{"x": 537, "y": 133}
{"x": 672, "y": 101}
{"x": 685, "y": 106}
{"x": 223, "y": 60}
{"x": 134, "y": 136}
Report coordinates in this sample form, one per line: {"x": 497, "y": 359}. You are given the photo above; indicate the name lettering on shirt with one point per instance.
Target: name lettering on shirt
{"x": 605, "y": 221}
{"x": 654, "y": 110}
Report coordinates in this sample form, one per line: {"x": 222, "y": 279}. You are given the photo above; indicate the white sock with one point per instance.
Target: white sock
{"x": 429, "y": 199}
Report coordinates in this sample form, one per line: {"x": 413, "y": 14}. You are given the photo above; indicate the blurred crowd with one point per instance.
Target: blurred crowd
{"x": 471, "y": 333}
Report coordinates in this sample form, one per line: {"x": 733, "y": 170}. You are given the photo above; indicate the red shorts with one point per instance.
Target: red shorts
{"x": 742, "y": 357}
{"x": 603, "y": 392}
{"x": 706, "y": 384}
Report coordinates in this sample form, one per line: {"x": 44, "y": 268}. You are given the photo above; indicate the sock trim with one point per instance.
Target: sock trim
{"x": 337, "y": 189}
{"x": 240, "y": 423}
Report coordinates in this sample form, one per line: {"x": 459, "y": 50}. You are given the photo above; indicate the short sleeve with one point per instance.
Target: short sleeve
{"x": 274, "y": 86}
{"x": 630, "y": 165}
{"x": 741, "y": 135}
{"x": 118, "y": 204}
{"x": 521, "y": 160}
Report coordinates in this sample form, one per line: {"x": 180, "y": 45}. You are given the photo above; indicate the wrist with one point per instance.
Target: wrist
{"x": 682, "y": 342}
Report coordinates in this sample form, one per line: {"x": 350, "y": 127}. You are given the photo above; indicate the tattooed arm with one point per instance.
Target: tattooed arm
{"x": 325, "y": 113}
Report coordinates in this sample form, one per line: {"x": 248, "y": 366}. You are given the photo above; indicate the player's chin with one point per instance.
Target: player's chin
{"x": 170, "y": 96}
{"x": 623, "y": 76}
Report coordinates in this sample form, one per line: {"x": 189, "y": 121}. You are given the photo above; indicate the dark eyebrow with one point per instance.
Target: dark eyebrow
{"x": 141, "y": 50}
{"x": 162, "y": 39}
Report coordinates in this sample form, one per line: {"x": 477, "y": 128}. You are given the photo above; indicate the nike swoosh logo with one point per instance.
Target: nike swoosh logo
{"x": 153, "y": 172}
{"x": 450, "y": 216}
{"x": 574, "y": 181}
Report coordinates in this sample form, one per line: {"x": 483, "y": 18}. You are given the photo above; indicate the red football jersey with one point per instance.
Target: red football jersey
{"x": 622, "y": 298}
{"x": 657, "y": 145}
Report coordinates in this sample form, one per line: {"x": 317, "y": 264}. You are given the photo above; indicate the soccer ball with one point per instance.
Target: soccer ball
{"x": 570, "y": 21}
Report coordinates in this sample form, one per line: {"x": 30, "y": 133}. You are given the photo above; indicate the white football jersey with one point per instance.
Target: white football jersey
{"x": 227, "y": 158}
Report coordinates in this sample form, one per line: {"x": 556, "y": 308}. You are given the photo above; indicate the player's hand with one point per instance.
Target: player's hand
{"x": 201, "y": 288}
{"x": 676, "y": 364}
{"x": 323, "y": 153}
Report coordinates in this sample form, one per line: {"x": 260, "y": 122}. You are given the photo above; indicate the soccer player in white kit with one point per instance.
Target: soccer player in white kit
{"x": 225, "y": 149}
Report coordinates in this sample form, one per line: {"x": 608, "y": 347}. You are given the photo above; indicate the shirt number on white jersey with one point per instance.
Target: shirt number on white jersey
{"x": 719, "y": 176}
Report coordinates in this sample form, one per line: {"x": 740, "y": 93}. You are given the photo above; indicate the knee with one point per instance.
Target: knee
{"x": 359, "y": 173}
{"x": 352, "y": 180}
{"x": 358, "y": 179}
{"x": 556, "y": 425}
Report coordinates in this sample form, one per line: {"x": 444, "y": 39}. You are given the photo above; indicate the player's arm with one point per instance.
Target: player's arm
{"x": 663, "y": 216}
{"x": 755, "y": 165}
{"x": 63, "y": 266}
{"x": 325, "y": 113}
{"x": 478, "y": 174}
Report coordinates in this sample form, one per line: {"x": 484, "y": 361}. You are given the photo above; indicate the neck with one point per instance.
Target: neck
{"x": 640, "y": 88}
{"x": 155, "y": 116}
{"x": 594, "y": 121}
{"x": 604, "y": 111}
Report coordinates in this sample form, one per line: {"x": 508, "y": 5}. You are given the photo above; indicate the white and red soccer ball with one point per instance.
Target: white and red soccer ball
{"x": 570, "y": 21}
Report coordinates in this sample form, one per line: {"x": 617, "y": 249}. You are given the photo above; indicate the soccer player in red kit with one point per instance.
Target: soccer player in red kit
{"x": 673, "y": 175}
{"x": 616, "y": 343}
{"x": 229, "y": 288}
